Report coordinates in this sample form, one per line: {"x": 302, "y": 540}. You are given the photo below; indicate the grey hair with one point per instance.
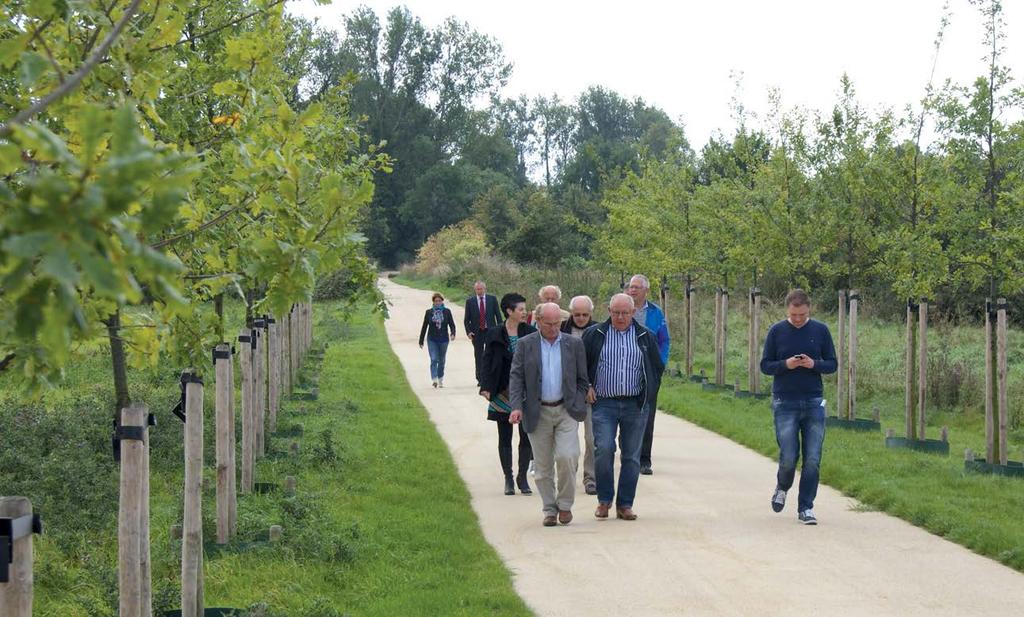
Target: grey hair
{"x": 620, "y": 296}
{"x": 587, "y": 299}
{"x": 643, "y": 279}
{"x": 540, "y": 292}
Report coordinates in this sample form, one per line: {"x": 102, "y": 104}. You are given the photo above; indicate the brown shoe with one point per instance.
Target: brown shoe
{"x": 549, "y": 520}
{"x": 625, "y": 514}
{"x": 564, "y": 517}
{"x": 602, "y": 510}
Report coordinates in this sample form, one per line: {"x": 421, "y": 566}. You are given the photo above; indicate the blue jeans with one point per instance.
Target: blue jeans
{"x": 799, "y": 426}
{"x": 629, "y": 417}
{"x": 438, "y": 350}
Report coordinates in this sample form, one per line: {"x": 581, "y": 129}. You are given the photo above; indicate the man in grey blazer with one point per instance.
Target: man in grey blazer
{"x": 548, "y": 386}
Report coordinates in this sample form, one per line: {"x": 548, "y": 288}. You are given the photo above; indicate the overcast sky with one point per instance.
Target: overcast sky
{"x": 679, "y": 55}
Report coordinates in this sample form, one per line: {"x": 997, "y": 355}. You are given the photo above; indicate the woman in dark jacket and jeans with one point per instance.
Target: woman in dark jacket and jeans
{"x": 437, "y": 319}
{"x": 494, "y": 377}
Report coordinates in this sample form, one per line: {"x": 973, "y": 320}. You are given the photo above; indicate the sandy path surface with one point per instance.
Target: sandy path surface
{"x": 706, "y": 541}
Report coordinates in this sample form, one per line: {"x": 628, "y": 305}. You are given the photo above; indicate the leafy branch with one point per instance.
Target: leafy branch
{"x": 72, "y": 82}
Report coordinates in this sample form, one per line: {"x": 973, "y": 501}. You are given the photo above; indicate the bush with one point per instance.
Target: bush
{"x": 451, "y": 249}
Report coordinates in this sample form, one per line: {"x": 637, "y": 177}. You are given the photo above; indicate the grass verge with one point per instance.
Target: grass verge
{"x": 932, "y": 492}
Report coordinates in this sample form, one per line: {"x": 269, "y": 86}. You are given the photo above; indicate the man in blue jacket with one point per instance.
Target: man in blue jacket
{"x": 797, "y": 352}
{"x": 649, "y": 315}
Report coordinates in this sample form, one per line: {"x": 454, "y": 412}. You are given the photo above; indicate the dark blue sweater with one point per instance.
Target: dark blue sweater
{"x": 785, "y": 341}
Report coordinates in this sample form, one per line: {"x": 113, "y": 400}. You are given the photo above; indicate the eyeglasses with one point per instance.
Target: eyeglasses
{"x": 620, "y": 313}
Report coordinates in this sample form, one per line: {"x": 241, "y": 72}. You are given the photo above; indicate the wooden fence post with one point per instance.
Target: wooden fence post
{"x": 274, "y": 372}
{"x": 192, "y": 519}
{"x": 718, "y": 336}
{"x": 293, "y": 352}
{"x": 225, "y": 423}
{"x": 245, "y": 362}
{"x": 851, "y": 379}
{"x": 908, "y": 393}
{"x": 232, "y": 447}
{"x": 922, "y": 366}
{"x": 750, "y": 340}
{"x": 1001, "y": 370}
{"x": 132, "y": 566}
{"x": 691, "y": 315}
{"x": 757, "y": 341}
{"x": 725, "y": 330}
{"x": 259, "y": 371}
{"x": 16, "y": 592}
{"x": 840, "y": 356}
{"x": 990, "y": 420}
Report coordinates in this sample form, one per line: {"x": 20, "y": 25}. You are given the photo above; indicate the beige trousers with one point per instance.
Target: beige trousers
{"x": 556, "y": 453}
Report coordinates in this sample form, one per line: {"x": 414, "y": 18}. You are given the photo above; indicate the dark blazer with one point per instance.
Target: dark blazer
{"x": 524, "y": 379}
{"x": 492, "y": 318}
{"x": 438, "y": 334}
{"x": 497, "y": 361}
{"x": 593, "y": 341}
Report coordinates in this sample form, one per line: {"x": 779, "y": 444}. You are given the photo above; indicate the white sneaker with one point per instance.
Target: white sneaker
{"x": 440, "y": 383}
{"x": 530, "y": 471}
{"x": 807, "y": 517}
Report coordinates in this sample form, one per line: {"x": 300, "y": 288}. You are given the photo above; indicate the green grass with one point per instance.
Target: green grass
{"x": 980, "y": 512}
{"x": 381, "y": 525}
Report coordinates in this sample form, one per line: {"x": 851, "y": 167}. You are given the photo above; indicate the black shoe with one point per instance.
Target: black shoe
{"x": 645, "y": 470}
{"x": 524, "y": 486}
{"x": 590, "y": 488}
{"x": 510, "y": 488}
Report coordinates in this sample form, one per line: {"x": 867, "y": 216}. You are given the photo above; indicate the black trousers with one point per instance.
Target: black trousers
{"x": 478, "y": 353}
{"x": 645, "y": 447}
{"x": 505, "y": 448}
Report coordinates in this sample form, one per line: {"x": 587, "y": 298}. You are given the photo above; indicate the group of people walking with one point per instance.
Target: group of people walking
{"x": 550, "y": 370}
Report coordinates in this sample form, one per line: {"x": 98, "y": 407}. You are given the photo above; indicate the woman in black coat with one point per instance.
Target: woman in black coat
{"x": 438, "y": 320}
{"x": 494, "y": 378}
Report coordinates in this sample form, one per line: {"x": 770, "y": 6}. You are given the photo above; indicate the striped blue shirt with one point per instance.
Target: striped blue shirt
{"x": 620, "y": 369}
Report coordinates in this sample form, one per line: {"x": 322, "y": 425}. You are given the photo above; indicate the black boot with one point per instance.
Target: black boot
{"x": 505, "y": 456}
{"x": 524, "y": 486}
{"x": 525, "y": 456}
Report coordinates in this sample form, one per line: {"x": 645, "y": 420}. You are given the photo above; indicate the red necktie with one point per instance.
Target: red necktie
{"x": 483, "y": 319}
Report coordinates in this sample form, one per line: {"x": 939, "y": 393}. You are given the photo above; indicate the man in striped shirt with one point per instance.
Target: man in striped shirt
{"x": 625, "y": 368}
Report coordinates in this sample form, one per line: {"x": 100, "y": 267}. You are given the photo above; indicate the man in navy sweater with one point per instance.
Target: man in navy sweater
{"x": 797, "y": 352}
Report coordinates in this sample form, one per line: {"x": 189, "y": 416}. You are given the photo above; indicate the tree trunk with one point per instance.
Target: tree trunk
{"x": 119, "y": 364}
{"x": 218, "y": 307}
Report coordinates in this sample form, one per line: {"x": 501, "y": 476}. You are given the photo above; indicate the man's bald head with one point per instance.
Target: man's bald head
{"x": 549, "y": 320}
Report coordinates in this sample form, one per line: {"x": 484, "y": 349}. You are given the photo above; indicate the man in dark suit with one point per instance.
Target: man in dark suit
{"x": 481, "y": 313}
{"x": 548, "y": 386}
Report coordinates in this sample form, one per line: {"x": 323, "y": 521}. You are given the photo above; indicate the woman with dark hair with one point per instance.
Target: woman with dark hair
{"x": 437, "y": 319}
{"x": 494, "y": 377}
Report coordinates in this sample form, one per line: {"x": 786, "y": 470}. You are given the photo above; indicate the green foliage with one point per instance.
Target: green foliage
{"x": 452, "y": 249}
{"x": 176, "y": 170}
